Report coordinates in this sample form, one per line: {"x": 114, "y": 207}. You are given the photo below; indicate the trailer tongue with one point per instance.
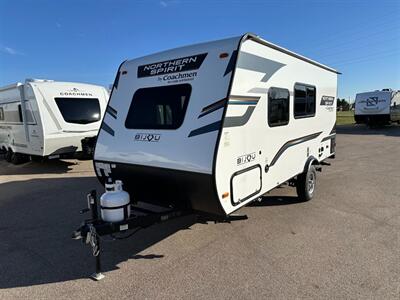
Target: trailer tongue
{"x": 142, "y": 215}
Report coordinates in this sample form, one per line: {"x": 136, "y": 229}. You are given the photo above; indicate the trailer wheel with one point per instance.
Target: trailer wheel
{"x": 17, "y": 158}
{"x": 36, "y": 158}
{"x": 306, "y": 184}
{"x": 9, "y": 154}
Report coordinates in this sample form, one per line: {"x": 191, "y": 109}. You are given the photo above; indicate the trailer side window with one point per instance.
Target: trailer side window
{"x": 1, "y": 114}
{"x": 19, "y": 113}
{"x": 29, "y": 114}
{"x": 304, "y": 100}
{"x": 278, "y": 107}
{"x": 161, "y": 107}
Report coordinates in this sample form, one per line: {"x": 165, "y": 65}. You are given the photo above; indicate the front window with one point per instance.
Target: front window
{"x": 79, "y": 110}
{"x": 161, "y": 107}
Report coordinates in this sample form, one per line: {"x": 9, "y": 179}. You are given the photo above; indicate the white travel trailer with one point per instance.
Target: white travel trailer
{"x": 214, "y": 126}
{"x": 378, "y": 107}
{"x": 45, "y": 118}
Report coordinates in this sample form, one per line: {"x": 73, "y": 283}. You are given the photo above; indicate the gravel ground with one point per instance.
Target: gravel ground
{"x": 345, "y": 243}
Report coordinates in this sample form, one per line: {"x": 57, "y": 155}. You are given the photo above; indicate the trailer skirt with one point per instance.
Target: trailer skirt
{"x": 165, "y": 187}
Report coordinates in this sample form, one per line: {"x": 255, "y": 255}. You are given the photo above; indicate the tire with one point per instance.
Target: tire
{"x": 306, "y": 184}
{"x": 9, "y": 154}
{"x": 18, "y": 158}
{"x": 38, "y": 159}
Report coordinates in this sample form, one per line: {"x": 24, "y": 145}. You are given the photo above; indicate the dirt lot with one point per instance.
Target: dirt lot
{"x": 345, "y": 243}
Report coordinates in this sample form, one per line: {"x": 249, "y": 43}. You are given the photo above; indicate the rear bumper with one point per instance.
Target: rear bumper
{"x": 368, "y": 119}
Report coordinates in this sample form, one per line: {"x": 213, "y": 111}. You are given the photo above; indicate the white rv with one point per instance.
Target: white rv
{"x": 378, "y": 107}
{"x": 214, "y": 126}
{"x": 45, "y": 118}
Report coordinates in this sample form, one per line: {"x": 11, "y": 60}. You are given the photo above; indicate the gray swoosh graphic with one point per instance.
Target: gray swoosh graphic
{"x": 257, "y": 63}
{"x": 239, "y": 121}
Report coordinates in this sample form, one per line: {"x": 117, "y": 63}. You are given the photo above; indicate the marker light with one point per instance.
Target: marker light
{"x": 224, "y": 195}
{"x": 223, "y": 55}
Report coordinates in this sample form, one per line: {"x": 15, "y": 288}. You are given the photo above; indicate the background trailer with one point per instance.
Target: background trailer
{"x": 45, "y": 118}
{"x": 378, "y": 107}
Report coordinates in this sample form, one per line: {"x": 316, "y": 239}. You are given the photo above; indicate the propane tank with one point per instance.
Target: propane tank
{"x": 115, "y": 203}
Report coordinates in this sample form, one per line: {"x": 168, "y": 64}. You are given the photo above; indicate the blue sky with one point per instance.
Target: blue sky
{"x": 85, "y": 41}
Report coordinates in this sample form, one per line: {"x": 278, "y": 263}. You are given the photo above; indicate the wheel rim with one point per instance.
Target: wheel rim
{"x": 311, "y": 183}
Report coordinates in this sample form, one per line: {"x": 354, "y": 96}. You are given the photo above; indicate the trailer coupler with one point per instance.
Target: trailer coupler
{"x": 142, "y": 216}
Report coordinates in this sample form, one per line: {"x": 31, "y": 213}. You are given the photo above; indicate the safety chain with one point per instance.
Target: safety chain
{"x": 92, "y": 240}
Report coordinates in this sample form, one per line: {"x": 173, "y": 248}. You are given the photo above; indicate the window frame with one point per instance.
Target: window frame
{"x": 21, "y": 119}
{"x": 59, "y": 104}
{"x": 29, "y": 110}
{"x": 2, "y": 116}
{"x": 269, "y": 111}
{"x": 294, "y": 100}
{"x": 184, "y": 109}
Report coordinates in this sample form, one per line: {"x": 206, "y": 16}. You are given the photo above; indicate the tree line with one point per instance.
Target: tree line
{"x": 343, "y": 105}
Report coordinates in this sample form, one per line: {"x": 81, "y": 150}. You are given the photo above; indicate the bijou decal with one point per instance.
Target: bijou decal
{"x": 182, "y": 64}
{"x": 243, "y": 159}
{"x": 147, "y": 137}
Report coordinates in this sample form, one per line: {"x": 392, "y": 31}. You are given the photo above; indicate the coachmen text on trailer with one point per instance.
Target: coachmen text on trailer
{"x": 378, "y": 107}
{"x": 209, "y": 128}
{"x": 45, "y": 118}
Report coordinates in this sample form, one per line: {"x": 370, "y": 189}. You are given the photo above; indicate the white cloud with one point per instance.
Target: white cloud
{"x": 10, "y": 50}
{"x": 167, "y": 3}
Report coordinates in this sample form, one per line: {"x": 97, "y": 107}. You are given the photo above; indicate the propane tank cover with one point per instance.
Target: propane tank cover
{"x": 115, "y": 203}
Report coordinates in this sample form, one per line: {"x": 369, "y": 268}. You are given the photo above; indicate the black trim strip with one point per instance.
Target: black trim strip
{"x": 239, "y": 121}
{"x": 332, "y": 136}
{"x": 111, "y": 111}
{"x": 205, "y": 129}
{"x": 212, "y": 107}
{"x": 107, "y": 128}
{"x": 291, "y": 143}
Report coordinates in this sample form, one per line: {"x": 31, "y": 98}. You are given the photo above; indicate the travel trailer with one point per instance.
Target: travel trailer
{"x": 45, "y": 118}
{"x": 378, "y": 107}
{"x": 207, "y": 129}
{"x": 216, "y": 125}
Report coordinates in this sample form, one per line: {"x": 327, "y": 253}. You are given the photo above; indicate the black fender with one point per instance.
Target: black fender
{"x": 310, "y": 161}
